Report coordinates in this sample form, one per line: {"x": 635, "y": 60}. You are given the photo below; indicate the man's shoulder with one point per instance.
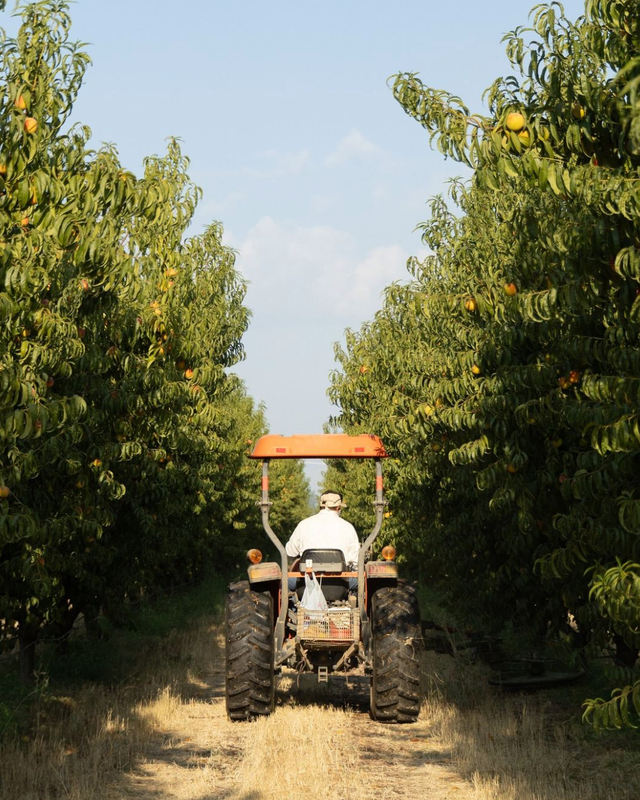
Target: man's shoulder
{"x": 346, "y": 525}
{"x": 308, "y": 521}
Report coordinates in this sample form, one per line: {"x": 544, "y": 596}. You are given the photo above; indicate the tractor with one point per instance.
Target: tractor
{"x": 376, "y": 628}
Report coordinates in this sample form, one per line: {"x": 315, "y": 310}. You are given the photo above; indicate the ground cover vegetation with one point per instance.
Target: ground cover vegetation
{"x": 141, "y": 714}
{"x": 123, "y": 435}
{"x": 504, "y": 377}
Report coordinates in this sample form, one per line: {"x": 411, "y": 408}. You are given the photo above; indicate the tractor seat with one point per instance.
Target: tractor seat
{"x": 324, "y": 562}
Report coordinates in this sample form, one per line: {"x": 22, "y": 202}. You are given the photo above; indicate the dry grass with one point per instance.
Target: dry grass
{"x": 75, "y": 744}
{"x": 314, "y": 745}
{"x": 165, "y": 736}
{"x": 515, "y": 746}
{"x": 86, "y": 740}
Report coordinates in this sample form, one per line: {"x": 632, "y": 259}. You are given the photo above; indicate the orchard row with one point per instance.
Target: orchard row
{"x": 123, "y": 436}
{"x": 505, "y": 375}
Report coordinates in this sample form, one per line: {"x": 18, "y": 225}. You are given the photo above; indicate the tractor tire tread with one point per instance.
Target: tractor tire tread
{"x": 396, "y": 631}
{"x": 249, "y": 685}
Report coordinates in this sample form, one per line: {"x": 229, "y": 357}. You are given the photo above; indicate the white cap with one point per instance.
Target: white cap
{"x": 332, "y": 500}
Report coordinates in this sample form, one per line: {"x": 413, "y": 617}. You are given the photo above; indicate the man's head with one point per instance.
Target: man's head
{"x": 332, "y": 500}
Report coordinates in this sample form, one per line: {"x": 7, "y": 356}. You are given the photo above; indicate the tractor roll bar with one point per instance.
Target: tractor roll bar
{"x": 379, "y": 507}
{"x": 265, "y": 504}
{"x": 327, "y": 445}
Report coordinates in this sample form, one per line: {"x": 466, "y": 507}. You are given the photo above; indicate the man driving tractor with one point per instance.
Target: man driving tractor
{"x": 326, "y": 529}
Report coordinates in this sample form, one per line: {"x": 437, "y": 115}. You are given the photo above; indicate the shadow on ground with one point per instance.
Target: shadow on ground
{"x": 343, "y": 690}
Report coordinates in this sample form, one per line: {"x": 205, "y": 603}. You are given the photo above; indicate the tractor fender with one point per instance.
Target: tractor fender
{"x": 266, "y": 578}
{"x": 381, "y": 569}
{"x": 264, "y": 571}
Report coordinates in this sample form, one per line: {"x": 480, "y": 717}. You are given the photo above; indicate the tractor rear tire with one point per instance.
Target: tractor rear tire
{"x": 396, "y": 638}
{"x": 250, "y": 683}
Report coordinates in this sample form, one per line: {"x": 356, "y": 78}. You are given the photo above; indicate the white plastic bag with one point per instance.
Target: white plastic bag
{"x": 313, "y": 599}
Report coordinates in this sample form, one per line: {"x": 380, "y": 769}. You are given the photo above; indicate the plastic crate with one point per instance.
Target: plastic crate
{"x": 332, "y": 625}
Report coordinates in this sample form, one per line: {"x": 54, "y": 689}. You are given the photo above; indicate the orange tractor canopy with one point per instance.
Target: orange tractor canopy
{"x": 319, "y": 445}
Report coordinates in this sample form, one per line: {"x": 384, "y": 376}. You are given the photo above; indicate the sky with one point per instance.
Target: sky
{"x": 315, "y": 171}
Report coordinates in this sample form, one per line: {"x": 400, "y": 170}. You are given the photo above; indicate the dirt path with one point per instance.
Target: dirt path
{"x": 162, "y": 734}
{"x": 320, "y": 743}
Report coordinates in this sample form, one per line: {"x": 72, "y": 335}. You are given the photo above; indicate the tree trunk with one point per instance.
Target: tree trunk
{"x": 27, "y": 655}
{"x": 63, "y": 628}
{"x": 91, "y": 624}
{"x": 626, "y": 656}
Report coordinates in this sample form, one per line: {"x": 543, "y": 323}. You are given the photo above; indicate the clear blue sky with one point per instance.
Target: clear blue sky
{"x": 315, "y": 171}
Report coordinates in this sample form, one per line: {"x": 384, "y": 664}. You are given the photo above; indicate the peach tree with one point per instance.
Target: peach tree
{"x": 504, "y": 375}
{"x": 121, "y": 441}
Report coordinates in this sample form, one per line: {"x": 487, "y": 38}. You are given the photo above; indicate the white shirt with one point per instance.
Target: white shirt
{"x": 325, "y": 529}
